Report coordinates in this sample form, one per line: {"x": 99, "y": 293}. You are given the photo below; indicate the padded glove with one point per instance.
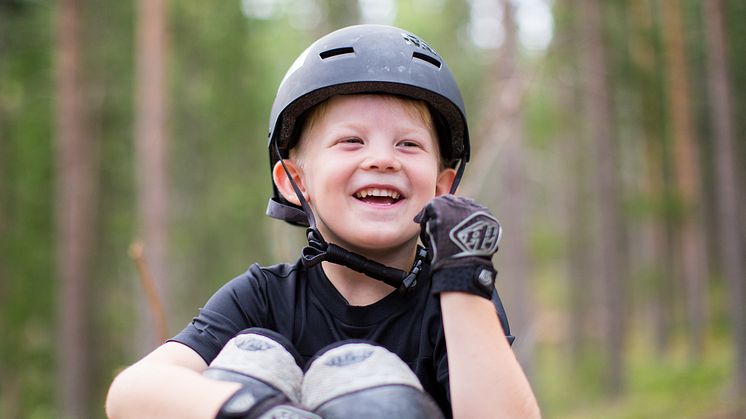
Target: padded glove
{"x": 360, "y": 380}
{"x": 461, "y": 236}
{"x": 266, "y": 365}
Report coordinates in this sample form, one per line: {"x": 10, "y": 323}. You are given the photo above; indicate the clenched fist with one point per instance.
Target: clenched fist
{"x": 461, "y": 236}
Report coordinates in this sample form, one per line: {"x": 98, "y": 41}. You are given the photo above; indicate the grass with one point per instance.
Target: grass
{"x": 655, "y": 387}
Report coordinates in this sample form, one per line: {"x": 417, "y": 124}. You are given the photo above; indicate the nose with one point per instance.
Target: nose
{"x": 381, "y": 158}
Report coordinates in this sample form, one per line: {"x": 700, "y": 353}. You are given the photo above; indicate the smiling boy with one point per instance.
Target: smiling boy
{"x": 367, "y": 164}
{"x": 367, "y": 134}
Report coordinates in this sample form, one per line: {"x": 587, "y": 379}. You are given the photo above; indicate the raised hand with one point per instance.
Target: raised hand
{"x": 461, "y": 236}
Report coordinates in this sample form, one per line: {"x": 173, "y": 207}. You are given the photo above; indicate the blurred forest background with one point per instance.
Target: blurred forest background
{"x": 607, "y": 138}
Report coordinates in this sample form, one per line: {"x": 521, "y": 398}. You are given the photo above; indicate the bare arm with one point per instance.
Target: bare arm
{"x": 486, "y": 380}
{"x": 167, "y": 383}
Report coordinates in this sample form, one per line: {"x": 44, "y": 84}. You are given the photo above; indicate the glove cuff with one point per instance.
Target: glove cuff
{"x": 477, "y": 279}
{"x": 243, "y": 397}
{"x": 244, "y": 404}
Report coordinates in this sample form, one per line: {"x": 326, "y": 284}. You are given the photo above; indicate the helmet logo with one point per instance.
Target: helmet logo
{"x": 410, "y": 39}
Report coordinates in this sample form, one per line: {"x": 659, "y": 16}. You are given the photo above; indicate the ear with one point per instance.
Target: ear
{"x": 280, "y": 176}
{"x": 444, "y": 181}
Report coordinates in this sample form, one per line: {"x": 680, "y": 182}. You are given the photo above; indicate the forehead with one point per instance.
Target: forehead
{"x": 371, "y": 107}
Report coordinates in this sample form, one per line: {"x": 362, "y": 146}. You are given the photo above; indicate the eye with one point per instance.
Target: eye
{"x": 409, "y": 143}
{"x": 351, "y": 140}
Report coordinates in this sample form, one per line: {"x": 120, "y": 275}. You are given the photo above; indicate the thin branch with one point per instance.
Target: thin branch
{"x": 136, "y": 253}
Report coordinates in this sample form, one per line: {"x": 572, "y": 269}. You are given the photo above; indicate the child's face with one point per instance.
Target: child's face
{"x": 368, "y": 165}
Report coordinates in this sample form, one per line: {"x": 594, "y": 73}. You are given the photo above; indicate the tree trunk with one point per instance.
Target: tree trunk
{"x": 572, "y": 146}
{"x": 729, "y": 220}
{"x": 151, "y": 156}
{"x": 658, "y": 251}
{"x": 691, "y": 249}
{"x": 502, "y": 136}
{"x": 578, "y": 235}
{"x": 515, "y": 202}
{"x": 599, "y": 120}
{"x": 74, "y": 214}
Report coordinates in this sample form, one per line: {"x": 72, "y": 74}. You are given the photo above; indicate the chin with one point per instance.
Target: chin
{"x": 371, "y": 238}
{"x": 378, "y": 242}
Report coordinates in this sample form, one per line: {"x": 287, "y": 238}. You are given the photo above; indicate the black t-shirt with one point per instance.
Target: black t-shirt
{"x": 302, "y": 305}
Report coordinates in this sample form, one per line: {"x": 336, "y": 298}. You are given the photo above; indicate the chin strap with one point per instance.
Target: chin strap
{"x": 318, "y": 250}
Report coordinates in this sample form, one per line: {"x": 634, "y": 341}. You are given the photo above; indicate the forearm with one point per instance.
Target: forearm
{"x": 157, "y": 390}
{"x": 486, "y": 380}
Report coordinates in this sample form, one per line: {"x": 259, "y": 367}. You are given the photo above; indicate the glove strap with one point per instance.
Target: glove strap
{"x": 250, "y": 401}
{"x": 243, "y": 405}
{"x": 477, "y": 279}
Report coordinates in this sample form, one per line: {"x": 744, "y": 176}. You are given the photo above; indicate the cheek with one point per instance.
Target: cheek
{"x": 427, "y": 179}
{"x": 321, "y": 182}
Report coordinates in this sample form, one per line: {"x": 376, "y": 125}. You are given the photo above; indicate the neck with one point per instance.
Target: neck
{"x": 361, "y": 290}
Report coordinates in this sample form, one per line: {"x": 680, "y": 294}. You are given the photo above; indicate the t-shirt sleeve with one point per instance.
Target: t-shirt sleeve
{"x": 239, "y": 304}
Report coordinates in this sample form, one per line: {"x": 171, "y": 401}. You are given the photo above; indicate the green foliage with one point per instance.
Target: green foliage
{"x": 668, "y": 387}
{"x": 735, "y": 12}
{"x": 223, "y": 71}
{"x": 542, "y": 121}
{"x": 26, "y": 257}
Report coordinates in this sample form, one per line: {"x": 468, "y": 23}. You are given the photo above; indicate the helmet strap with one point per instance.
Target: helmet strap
{"x": 296, "y": 189}
{"x": 319, "y": 250}
{"x": 459, "y": 175}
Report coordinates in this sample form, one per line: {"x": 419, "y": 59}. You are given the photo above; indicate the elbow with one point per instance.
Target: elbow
{"x": 530, "y": 408}
{"x": 116, "y": 398}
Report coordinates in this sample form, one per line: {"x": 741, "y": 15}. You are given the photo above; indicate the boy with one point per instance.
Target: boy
{"x": 367, "y": 134}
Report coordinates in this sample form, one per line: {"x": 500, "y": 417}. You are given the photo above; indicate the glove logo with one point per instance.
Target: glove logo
{"x": 477, "y": 235}
{"x": 349, "y": 357}
{"x": 250, "y": 343}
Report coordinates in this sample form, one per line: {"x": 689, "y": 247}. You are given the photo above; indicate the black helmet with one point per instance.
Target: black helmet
{"x": 365, "y": 59}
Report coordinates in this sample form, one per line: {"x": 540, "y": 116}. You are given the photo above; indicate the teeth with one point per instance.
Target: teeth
{"x": 377, "y": 192}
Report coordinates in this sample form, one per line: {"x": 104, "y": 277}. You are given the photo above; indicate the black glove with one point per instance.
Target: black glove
{"x": 462, "y": 236}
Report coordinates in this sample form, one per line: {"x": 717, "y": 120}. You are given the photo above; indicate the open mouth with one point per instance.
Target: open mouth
{"x": 378, "y": 196}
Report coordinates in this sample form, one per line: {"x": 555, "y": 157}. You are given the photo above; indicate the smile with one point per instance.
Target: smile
{"x": 380, "y": 196}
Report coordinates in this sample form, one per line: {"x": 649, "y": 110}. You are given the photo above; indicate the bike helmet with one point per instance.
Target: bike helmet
{"x": 365, "y": 59}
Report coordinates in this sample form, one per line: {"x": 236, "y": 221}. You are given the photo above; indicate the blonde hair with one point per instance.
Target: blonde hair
{"x": 414, "y": 107}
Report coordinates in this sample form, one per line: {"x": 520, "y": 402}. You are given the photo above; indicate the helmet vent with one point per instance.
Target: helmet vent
{"x": 427, "y": 58}
{"x": 335, "y": 52}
